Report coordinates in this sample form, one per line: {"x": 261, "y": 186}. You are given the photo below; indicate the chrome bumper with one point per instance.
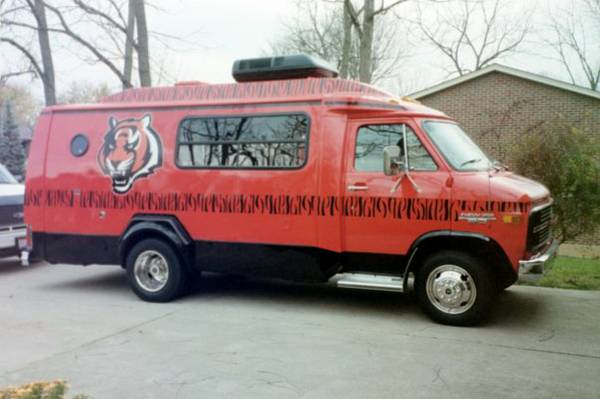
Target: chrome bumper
{"x": 537, "y": 263}
{"x": 9, "y": 237}
{"x": 13, "y": 242}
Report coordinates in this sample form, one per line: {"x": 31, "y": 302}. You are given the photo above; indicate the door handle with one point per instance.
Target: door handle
{"x": 358, "y": 187}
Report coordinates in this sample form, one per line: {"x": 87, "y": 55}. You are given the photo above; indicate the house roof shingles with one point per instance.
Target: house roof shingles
{"x": 508, "y": 71}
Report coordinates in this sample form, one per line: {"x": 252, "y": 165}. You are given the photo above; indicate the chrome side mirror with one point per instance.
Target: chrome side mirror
{"x": 392, "y": 164}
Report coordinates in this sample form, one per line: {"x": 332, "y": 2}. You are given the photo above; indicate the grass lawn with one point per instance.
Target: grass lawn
{"x": 574, "y": 273}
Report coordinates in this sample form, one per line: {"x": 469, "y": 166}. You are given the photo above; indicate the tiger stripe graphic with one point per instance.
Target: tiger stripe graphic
{"x": 245, "y": 90}
{"x": 269, "y": 204}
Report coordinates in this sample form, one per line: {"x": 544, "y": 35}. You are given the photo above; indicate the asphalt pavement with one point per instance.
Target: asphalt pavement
{"x": 234, "y": 338}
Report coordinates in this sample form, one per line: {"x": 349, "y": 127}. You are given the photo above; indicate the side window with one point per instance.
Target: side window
{"x": 371, "y": 140}
{"x": 247, "y": 142}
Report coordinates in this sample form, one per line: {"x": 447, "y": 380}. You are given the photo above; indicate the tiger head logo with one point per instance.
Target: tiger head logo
{"x": 131, "y": 150}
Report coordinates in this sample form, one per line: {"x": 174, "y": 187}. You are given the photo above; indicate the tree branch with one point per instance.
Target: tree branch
{"x": 349, "y": 8}
{"x": 94, "y": 11}
{"x": 383, "y": 10}
{"x": 73, "y": 35}
{"x": 6, "y": 76}
{"x": 26, "y": 53}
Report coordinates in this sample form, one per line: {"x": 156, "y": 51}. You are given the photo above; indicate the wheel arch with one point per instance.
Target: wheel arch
{"x": 474, "y": 243}
{"x": 164, "y": 227}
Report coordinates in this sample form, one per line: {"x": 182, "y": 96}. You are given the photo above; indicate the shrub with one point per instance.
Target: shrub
{"x": 566, "y": 158}
{"x": 38, "y": 390}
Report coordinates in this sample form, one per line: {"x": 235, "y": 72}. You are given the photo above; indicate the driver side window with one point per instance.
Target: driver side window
{"x": 371, "y": 139}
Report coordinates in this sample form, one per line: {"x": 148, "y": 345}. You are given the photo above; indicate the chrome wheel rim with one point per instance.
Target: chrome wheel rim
{"x": 151, "y": 271}
{"x": 451, "y": 289}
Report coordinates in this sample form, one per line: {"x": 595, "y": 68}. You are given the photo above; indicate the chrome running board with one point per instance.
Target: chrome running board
{"x": 363, "y": 281}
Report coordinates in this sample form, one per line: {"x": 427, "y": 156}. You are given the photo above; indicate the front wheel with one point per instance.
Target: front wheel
{"x": 455, "y": 288}
{"x": 155, "y": 271}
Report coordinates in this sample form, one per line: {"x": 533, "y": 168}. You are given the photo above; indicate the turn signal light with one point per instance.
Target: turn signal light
{"x": 511, "y": 219}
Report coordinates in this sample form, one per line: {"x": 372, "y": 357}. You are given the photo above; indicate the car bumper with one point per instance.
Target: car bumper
{"x": 12, "y": 241}
{"x": 540, "y": 261}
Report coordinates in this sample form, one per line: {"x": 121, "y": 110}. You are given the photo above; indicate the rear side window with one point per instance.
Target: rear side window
{"x": 244, "y": 142}
{"x": 371, "y": 140}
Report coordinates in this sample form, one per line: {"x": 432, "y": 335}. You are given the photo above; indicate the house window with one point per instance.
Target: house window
{"x": 371, "y": 140}
{"x": 244, "y": 142}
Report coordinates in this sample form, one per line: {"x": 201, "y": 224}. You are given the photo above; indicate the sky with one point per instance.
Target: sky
{"x": 223, "y": 30}
{"x": 215, "y": 33}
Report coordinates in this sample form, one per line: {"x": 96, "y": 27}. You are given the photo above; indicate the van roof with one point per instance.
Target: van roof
{"x": 331, "y": 92}
{"x": 247, "y": 91}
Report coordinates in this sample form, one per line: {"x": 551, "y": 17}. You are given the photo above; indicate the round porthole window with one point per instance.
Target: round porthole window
{"x": 79, "y": 145}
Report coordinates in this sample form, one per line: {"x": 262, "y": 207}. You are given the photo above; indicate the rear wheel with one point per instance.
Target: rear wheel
{"x": 455, "y": 288}
{"x": 155, "y": 271}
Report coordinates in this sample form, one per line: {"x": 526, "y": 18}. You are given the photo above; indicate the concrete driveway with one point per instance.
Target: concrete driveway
{"x": 248, "y": 339}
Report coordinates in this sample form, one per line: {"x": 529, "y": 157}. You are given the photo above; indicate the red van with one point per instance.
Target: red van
{"x": 290, "y": 173}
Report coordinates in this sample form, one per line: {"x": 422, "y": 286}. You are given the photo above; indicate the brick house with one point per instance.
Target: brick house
{"x": 496, "y": 104}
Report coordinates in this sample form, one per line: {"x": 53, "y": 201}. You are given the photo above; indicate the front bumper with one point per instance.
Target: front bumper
{"x": 540, "y": 261}
{"x": 12, "y": 240}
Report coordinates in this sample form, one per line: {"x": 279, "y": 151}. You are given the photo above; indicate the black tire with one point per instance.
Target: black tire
{"x": 470, "y": 311}
{"x": 174, "y": 285}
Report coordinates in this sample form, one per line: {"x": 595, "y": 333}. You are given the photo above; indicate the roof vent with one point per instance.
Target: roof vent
{"x": 286, "y": 67}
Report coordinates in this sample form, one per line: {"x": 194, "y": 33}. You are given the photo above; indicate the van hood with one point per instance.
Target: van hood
{"x": 512, "y": 187}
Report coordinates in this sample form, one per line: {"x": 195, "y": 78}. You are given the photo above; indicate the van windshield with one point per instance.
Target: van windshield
{"x": 456, "y": 146}
{"x": 5, "y": 176}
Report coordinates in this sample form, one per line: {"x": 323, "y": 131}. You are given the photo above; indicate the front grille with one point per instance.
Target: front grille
{"x": 11, "y": 215}
{"x": 539, "y": 230}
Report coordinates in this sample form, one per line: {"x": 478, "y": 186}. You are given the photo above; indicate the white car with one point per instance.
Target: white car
{"x": 12, "y": 227}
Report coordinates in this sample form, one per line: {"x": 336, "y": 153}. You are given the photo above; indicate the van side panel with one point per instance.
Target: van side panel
{"x": 85, "y": 217}
{"x": 251, "y": 206}
{"x": 331, "y": 178}
{"x": 68, "y": 176}
{"x": 35, "y": 179}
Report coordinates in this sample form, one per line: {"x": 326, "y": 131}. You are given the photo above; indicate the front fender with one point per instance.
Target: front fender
{"x": 468, "y": 241}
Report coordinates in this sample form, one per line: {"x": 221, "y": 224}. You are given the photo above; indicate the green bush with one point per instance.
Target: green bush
{"x": 566, "y": 158}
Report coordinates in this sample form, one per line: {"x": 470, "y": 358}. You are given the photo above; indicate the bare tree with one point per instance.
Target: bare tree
{"x": 129, "y": 41}
{"x": 118, "y": 42}
{"x": 6, "y": 76}
{"x": 576, "y": 33}
{"x": 346, "y": 43}
{"x": 327, "y": 31}
{"x": 315, "y": 30}
{"x": 119, "y": 30}
{"x": 39, "y": 12}
{"x": 115, "y": 28}
{"x": 31, "y": 14}
{"x": 115, "y": 45}
{"x": 594, "y": 7}
{"x": 143, "y": 43}
{"x": 472, "y": 34}
{"x": 83, "y": 92}
{"x": 365, "y": 30}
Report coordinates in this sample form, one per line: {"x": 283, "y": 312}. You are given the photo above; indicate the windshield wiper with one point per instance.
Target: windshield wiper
{"x": 498, "y": 166}
{"x": 474, "y": 160}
